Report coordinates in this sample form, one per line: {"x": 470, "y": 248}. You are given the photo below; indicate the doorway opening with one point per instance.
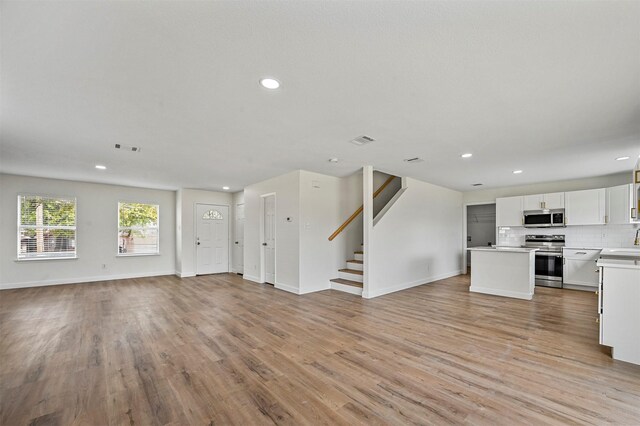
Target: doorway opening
{"x": 480, "y": 228}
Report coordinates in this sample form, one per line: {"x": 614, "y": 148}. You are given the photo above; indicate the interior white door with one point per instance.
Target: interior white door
{"x": 269, "y": 238}
{"x": 238, "y": 246}
{"x": 212, "y": 239}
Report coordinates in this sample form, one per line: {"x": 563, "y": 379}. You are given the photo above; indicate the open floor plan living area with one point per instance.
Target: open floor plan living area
{"x": 252, "y": 212}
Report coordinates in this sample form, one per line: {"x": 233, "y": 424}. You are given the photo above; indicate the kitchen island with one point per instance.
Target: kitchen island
{"x": 503, "y": 271}
{"x": 619, "y": 302}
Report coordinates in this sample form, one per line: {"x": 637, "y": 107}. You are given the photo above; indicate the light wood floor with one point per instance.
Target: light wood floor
{"x": 220, "y": 350}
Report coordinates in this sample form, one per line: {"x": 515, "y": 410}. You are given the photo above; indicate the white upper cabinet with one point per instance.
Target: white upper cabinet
{"x": 532, "y": 202}
{"x": 544, "y": 201}
{"x": 619, "y": 203}
{"x": 554, "y": 200}
{"x": 585, "y": 207}
{"x": 509, "y": 211}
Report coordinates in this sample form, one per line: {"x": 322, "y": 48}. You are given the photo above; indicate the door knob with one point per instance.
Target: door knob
{"x": 198, "y": 243}
{"x": 236, "y": 242}
{"x": 264, "y": 244}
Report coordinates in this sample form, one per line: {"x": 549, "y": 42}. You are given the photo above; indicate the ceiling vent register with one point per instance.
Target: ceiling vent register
{"x": 128, "y": 148}
{"x": 362, "y": 140}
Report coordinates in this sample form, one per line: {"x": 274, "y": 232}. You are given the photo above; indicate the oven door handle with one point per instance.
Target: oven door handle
{"x": 544, "y": 253}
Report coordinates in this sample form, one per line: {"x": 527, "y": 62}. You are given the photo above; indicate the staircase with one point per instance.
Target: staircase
{"x": 350, "y": 278}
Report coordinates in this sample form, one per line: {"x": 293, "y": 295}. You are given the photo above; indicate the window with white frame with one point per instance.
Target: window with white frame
{"x": 138, "y": 229}
{"x": 46, "y": 227}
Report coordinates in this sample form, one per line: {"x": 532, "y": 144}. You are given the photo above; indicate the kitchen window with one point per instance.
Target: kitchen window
{"x": 138, "y": 227}
{"x": 46, "y": 227}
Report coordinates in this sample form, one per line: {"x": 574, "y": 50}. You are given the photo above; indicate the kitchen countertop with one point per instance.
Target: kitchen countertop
{"x": 581, "y": 248}
{"x": 619, "y": 263}
{"x": 504, "y": 249}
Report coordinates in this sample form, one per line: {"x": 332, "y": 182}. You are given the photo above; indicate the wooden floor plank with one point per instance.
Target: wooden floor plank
{"x": 221, "y": 350}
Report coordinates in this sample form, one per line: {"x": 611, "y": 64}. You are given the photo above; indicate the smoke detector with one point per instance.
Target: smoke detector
{"x": 362, "y": 140}
{"x": 128, "y": 148}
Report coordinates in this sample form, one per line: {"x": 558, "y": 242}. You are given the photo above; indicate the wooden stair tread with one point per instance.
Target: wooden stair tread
{"x": 360, "y": 262}
{"x": 351, "y": 271}
{"x": 358, "y": 252}
{"x": 346, "y": 282}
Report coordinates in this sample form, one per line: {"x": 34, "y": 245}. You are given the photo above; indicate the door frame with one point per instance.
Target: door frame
{"x": 263, "y": 272}
{"x": 464, "y": 232}
{"x": 232, "y": 260}
{"x": 195, "y": 234}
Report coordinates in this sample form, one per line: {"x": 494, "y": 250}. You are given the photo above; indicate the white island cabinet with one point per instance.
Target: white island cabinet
{"x": 503, "y": 271}
{"x": 619, "y": 303}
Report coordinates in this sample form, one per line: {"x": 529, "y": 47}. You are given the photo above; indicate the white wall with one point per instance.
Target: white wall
{"x": 97, "y": 227}
{"x": 287, "y": 190}
{"x": 417, "y": 241}
{"x": 320, "y": 215}
{"x": 489, "y": 195}
{"x": 186, "y": 200}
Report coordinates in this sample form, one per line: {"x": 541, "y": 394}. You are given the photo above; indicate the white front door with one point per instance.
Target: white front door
{"x": 212, "y": 239}
{"x": 238, "y": 246}
{"x": 269, "y": 239}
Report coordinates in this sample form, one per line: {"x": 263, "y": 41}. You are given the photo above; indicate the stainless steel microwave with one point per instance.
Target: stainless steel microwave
{"x": 544, "y": 218}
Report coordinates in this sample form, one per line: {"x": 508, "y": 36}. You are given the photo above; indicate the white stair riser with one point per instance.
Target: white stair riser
{"x": 356, "y": 266}
{"x": 348, "y": 276}
{"x": 358, "y": 256}
{"x": 347, "y": 288}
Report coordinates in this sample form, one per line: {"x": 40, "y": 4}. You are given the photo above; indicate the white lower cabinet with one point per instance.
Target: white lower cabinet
{"x": 579, "y": 268}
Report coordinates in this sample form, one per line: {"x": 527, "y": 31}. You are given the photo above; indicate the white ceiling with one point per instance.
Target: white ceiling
{"x": 552, "y": 88}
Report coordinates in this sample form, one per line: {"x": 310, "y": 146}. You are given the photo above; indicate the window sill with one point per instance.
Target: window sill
{"x": 137, "y": 254}
{"x": 39, "y": 259}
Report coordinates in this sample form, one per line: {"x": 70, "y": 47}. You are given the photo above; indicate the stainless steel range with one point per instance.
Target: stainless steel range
{"x": 548, "y": 258}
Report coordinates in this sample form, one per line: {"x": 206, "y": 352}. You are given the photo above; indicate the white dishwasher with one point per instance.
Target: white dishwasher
{"x": 579, "y": 269}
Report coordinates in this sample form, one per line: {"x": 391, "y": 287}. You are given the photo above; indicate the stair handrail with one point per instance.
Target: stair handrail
{"x": 359, "y": 210}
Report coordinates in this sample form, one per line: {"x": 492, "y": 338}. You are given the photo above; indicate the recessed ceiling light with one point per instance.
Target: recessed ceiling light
{"x": 333, "y": 160}
{"x": 467, "y": 155}
{"x": 226, "y": 188}
{"x": 517, "y": 172}
{"x": 101, "y": 167}
{"x": 476, "y": 184}
{"x": 622, "y": 158}
{"x": 269, "y": 83}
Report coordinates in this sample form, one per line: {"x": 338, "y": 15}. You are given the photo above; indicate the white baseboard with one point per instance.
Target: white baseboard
{"x": 287, "y": 288}
{"x": 185, "y": 274}
{"x": 252, "y": 278}
{"x": 505, "y": 293}
{"x": 404, "y": 286}
{"x": 313, "y": 290}
{"x": 79, "y": 280}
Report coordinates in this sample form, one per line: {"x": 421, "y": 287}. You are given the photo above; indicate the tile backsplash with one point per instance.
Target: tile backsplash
{"x": 597, "y": 236}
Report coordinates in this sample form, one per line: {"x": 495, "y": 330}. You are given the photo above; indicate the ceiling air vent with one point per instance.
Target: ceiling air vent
{"x": 414, "y": 160}
{"x": 128, "y": 148}
{"x": 362, "y": 140}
